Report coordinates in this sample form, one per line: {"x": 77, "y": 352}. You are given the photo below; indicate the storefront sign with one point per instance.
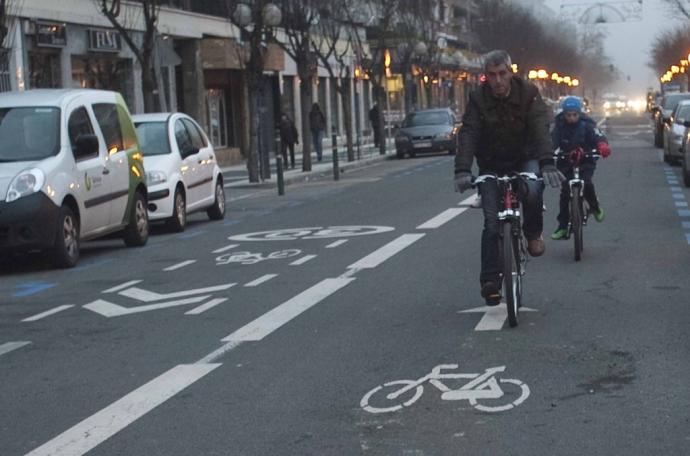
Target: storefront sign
{"x": 104, "y": 40}
{"x": 50, "y": 34}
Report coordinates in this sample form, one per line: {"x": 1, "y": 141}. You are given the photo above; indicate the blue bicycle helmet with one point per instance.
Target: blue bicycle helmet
{"x": 572, "y": 104}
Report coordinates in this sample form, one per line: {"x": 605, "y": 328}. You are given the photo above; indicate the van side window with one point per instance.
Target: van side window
{"x": 197, "y": 137}
{"x": 184, "y": 141}
{"x": 108, "y": 120}
{"x": 79, "y": 124}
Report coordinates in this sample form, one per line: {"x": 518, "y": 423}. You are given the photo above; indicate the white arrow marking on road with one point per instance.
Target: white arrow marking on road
{"x": 122, "y": 286}
{"x": 108, "y": 309}
{"x": 494, "y": 316}
{"x": 149, "y": 296}
{"x": 11, "y": 346}
{"x": 99, "y": 427}
{"x": 204, "y": 307}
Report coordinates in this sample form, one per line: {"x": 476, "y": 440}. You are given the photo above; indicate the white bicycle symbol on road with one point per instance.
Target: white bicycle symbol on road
{"x": 292, "y": 234}
{"x": 253, "y": 258}
{"x": 481, "y": 387}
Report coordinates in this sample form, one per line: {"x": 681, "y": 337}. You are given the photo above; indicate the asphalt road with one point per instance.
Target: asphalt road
{"x": 189, "y": 347}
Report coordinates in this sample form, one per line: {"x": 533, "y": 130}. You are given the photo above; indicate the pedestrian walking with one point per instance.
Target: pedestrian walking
{"x": 288, "y": 138}
{"x": 375, "y": 120}
{"x": 317, "y": 123}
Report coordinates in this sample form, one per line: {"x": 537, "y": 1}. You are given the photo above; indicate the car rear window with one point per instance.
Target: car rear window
{"x": 417, "y": 119}
{"x": 672, "y": 101}
{"x": 153, "y": 138}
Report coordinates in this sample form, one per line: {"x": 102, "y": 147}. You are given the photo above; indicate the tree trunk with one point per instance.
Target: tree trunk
{"x": 253, "y": 152}
{"x": 346, "y": 99}
{"x": 149, "y": 84}
{"x": 305, "y": 96}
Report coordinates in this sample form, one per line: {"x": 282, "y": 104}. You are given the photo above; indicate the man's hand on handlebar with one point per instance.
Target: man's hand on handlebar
{"x": 463, "y": 181}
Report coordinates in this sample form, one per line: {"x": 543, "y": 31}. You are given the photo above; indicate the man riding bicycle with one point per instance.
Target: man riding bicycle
{"x": 506, "y": 127}
{"x": 575, "y": 130}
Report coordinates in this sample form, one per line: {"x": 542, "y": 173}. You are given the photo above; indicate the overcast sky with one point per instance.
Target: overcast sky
{"x": 628, "y": 43}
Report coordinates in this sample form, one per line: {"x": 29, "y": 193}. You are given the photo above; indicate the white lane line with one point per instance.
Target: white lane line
{"x": 48, "y": 313}
{"x": 336, "y": 244}
{"x": 122, "y": 287}
{"x": 676, "y": 190}
{"x": 260, "y": 280}
{"x": 204, "y": 307}
{"x": 442, "y": 218}
{"x": 110, "y": 310}
{"x": 494, "y": 316}
{"x": 681, "y": 204}
{"x": 149, "y": 296}
{"x": 99, "y": 427}
{"x": 227, "y": 247}
{"x": 11, "y": 346}
{"x": 468, "y": 201}
{"x": 379, "y": 256}
{"x": 179, "y": 265}
{"x": 274, "y": 319}
{"x": 678, "y": 196}
{"x": 302, "y": 260}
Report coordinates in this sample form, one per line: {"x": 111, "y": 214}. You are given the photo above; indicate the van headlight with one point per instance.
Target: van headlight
{"x": 155, "y": 177}
{"x": 25, "y": 183}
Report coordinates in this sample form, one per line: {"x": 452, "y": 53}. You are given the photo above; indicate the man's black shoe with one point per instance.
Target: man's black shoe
{"x": 491, "y": 293}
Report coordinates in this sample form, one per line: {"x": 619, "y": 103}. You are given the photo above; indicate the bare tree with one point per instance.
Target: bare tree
{"x": 143, "y": 51}
{"x": 678, "y": 6}
{"x": 300, "y": 17}
{"x": 251, "y": 20}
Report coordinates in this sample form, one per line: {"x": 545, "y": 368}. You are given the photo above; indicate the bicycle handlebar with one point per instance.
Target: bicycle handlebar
{"x": 559, "y": 154}
{"x": 506, "y": 178}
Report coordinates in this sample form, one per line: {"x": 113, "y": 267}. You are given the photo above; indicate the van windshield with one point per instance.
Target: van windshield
{"x": 153, "y": 138}
{"x": 29, "y": 133}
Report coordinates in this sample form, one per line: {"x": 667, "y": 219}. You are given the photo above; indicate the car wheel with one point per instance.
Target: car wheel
{"x": 412, "y": 154}
{"x": 137, "y": 230}
{"x": 178, "y": 221}
{"x": 217, "y": 211}
{"x": 66, "y": 247}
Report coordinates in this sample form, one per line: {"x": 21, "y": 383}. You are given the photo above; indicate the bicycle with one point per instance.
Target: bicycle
{"x": 512, "y": 244}
{"x": 577, "y": 219}
{"x": 484, "y": 387}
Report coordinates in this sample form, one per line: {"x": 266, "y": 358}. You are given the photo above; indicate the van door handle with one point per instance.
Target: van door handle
{"x": 106, "y": 171}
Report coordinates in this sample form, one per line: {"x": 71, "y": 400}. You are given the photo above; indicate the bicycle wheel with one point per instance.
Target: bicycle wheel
{"x": 511, "y": 276}
{"x": 576, "y": 223}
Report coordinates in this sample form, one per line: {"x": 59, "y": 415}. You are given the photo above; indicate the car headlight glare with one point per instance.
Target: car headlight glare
{"x": 155, "y": 177}
{"x": 448, "y": 135}
{"x": 25, "y": 183}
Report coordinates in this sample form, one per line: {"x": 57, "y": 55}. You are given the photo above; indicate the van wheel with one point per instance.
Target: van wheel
{"x": 217, "y": 211}
{"x": 137, "y": 230}
{"x": 178, "y": 221}
{"x": 66, "y": 248}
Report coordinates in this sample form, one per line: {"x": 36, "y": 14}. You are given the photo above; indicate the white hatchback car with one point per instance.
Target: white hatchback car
{"x": 182, "y": 174}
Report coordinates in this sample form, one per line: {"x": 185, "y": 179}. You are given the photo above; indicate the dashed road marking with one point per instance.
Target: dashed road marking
{"x": 122, "y": 286}
{"x": 47, "y": 313}
{"x": 227, "y": 247}
{"x": 260, "y": 280}
{"x": 179, "y": 265}
{"x": 204, "y": 307}
{"x": 336, "y": 244}
{"x": 303, "y": 260}
{"x": 12, "y": 346}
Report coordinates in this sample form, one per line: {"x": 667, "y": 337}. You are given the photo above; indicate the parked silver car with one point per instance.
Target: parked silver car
{"x": 674, "y": 132}
{"x": 428, "y": 130}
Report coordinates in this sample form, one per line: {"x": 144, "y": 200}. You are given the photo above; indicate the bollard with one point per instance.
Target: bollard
{"x": 279, "y": 172}
{"x": 336, "y": 168}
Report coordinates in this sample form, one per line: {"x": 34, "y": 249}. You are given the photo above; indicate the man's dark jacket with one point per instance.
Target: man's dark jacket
{"x": 504, "y": 133}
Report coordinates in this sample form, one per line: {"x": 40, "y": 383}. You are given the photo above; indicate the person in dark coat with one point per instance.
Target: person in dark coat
{"x": 506, "y": 129}
{"x": 574, "y": 130}
{"x": 288, "y": 138}
{"x": 317, "y": 123}
{"x": 375, "y": 120}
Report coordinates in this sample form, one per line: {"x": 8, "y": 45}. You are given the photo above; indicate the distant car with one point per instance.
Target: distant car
{"x": 182, "y": 173}
{"x": 674, "y": 132}
{"x": 663, "y": 112}
{"x": 428, "y": 130}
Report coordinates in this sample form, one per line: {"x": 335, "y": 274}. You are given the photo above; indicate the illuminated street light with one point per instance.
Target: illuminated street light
{"x": 532, "y": 74}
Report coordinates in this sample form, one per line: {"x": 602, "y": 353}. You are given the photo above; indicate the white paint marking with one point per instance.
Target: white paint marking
{"x": 148, "y": 296}
{"x": 47, "y": 313}
{"x": 227, "y": 247}
{"x": 122, "y": 287}
{"x": 678, "y": 196}
{"x": 99, "y": 427}
{"x": 214, "y": 355}
{"x": 274, "y": 319}
{"x": 260, "y": 280}
{"x": 468, "y": 201}
{"x": 681, "y": 204}
{"x": 336, "y": 244}
{"x": 494, "y": 316}
{"x": 442, "y": 218}
{"x": 204, "y": 307}
{"x": 180, "y": 265}
{"x": 379, "y": 256}
{"x": 676, "y": 190}
{"x": 302, "y": 260}
{"x": 108, "y": 309}
{"x": 11, "y": 346}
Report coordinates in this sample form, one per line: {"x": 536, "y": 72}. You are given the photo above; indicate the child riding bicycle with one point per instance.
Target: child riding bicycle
{"x": 575, "y": 130}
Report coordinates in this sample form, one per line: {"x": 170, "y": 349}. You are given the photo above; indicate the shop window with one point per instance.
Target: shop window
{"x": 217, "y": 118}
{"x": 44, "y": 70}
{"x": 104, "y": 72}
{"x": 108, "y": 120}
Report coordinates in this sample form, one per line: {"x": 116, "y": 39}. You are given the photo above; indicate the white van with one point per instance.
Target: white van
{"x": 70, "y": 170}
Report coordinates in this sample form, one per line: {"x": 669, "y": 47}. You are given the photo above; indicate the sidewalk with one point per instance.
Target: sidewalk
{"x": 237, "y": 176}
